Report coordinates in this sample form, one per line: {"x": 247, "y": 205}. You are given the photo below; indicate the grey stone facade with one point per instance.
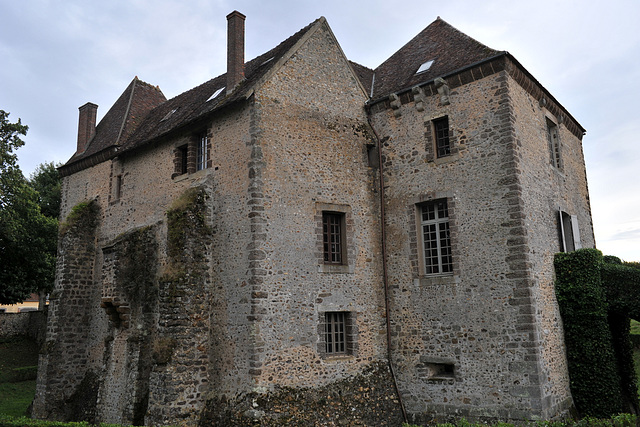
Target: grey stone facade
{"x": 196, "y": 283}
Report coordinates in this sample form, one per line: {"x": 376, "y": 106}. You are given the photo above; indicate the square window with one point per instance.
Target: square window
{"x": 442, "y": 141}
{"x": 436, "y": 237}
{"x": 333, "y": 237}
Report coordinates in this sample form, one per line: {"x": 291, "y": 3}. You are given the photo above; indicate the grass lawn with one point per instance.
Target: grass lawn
{"x": 15, "y": 397}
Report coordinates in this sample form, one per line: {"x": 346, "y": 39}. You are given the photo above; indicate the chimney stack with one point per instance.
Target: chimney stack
{"x": 235, "y": 49}
{"x": 86, "y": 125}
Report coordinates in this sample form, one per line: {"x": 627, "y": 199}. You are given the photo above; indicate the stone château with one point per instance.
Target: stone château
{"x": 305, "y": 239}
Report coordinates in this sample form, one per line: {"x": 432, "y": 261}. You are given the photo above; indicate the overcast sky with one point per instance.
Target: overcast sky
{"x": 57, "y": 55}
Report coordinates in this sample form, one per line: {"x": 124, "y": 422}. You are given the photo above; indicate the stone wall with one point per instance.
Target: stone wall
{"x": 312, "y": 146}
{"x": 493, "y": 323}
{"x": 64, "y": 367}
{"x": 547, "y": 189}
{"x": 31, "y": 324}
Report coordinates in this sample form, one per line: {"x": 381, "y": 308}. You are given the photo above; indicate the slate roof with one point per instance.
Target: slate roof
{"x": 142, "y": 114}
{"x": 449, "y": 49}
{"x": 364, "y": 74}
{"x": 123, "y": 117}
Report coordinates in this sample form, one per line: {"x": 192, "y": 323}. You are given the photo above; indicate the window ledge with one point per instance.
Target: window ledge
{"x": 337, "y": 357}
{"x": 335, "y": 268}
{"x": 437, "y": 279}
{"x": 447, "y": 159}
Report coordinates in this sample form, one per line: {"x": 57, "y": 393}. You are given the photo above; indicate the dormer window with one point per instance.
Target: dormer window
{"x": 425, "y": 67}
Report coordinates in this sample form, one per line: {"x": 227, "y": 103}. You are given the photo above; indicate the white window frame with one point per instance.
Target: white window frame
{"x": 440, "y": 225}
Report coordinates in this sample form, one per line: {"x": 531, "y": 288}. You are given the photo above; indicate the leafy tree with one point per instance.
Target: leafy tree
{"x": 28, "y": 238}
{"x": 46, "y": 181}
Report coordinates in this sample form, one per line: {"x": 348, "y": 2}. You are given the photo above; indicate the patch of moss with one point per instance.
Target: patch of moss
{"x": 84, "y": 214}
{"x": 186, "y": 217}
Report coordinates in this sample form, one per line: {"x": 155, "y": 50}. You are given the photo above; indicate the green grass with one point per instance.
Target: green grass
{"x": 17, "y": 357}
{"x": 635, "y": 327}
{"x": 15, "y": 398}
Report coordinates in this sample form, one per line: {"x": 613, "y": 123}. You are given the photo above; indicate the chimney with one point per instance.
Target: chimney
{"x": 86, "y": 125}
{"x": 235, "y": 49}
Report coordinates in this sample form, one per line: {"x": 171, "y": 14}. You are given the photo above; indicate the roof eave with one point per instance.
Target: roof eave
{"x": 502, "y": 54}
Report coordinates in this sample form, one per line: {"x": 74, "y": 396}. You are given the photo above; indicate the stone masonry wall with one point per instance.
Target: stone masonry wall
{"x": 479, "y": 320}
{"x": 66, "y": 387}
{"x": 545, "y": 190}
{"x": 312, "y": 150}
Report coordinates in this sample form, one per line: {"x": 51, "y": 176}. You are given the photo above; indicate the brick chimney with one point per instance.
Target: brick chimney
{"x": 86, "y": 125}
{"x": 235, "y": 49}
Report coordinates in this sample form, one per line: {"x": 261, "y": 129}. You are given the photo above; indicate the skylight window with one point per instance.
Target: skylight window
{"x": 215, "y": 94}
{"x": 424, "y": 67}
{"x": 169, "y": 114}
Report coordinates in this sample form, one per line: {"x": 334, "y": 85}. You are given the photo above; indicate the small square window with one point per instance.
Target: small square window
{"x": 333, "y": 237}
{"x": 442, "y": 141}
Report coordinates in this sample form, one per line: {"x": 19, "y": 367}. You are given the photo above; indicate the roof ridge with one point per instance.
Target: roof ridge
{"x": 128, "y": 109}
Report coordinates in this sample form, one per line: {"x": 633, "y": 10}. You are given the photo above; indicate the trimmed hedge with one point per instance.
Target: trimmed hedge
{"x": 597, "y": 295}
{"x": 593, "y": 372}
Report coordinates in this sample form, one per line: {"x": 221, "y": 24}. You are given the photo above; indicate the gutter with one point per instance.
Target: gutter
{"x": 385, "y": 279}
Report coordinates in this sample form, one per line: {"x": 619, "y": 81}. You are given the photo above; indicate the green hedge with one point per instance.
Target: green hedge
{"x": 593, "y": 371}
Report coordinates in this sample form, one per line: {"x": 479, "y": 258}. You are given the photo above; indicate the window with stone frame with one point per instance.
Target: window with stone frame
{"x": 435, "y": 237}
{"x": 555, "y": 149}
{"x": 441, "y": 137}
{"x": 334, "y": 238}
{"x": 337, "y": 334}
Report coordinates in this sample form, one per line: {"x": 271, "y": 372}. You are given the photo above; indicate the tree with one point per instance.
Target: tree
{"x": 28, "y": 238}
{"x": 47, "y": 183}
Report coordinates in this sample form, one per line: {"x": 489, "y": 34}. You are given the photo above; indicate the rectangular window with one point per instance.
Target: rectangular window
{"x": 569, "y": 232}
{"x": 441, "y": 131}
{"x": 335, "y": 332}
{"x": 333, "y": 238}
{"x": 202, "y": 154}
{"x": 554, "y": 144}
{"x": 436, "y": 237}
{"x": 181, "y": 166}
{"x": 440, "y": 370}
{"x": 118, "y": 188}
